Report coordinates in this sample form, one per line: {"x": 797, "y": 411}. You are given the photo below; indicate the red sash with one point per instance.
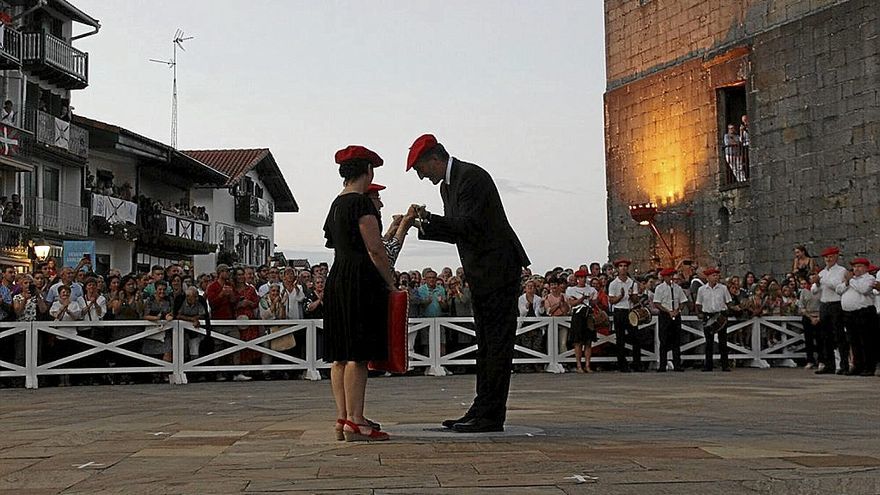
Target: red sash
{"x": 398, "y": 329}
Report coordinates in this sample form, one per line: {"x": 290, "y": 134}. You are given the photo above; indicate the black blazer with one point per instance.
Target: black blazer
{"x": 474, "y": 220}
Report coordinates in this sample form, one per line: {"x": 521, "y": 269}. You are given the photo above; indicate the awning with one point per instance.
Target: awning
{"x": 8, "y": 163}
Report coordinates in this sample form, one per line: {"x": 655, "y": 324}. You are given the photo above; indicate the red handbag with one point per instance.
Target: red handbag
{"x": 398, "y": 329}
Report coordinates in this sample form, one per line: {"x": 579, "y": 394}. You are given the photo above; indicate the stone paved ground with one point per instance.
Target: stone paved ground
{"x": 750, "y": 431}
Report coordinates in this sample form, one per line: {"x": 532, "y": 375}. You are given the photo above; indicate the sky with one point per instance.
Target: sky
{"x": 513, "y": 86}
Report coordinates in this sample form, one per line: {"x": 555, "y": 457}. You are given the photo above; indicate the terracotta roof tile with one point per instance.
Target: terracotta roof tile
{"x": 234, "y": 163}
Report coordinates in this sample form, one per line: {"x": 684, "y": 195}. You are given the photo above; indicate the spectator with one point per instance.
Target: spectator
{"x": 272, "y": 307}
{"x": 272, "y": 278}
{"x": 314, "y": 301}
{"x": 157, "y": 273}
{"x": 7, "y": 290}
{"x": 808, "y": 306}
{"x": 8, "y": 116}
{"x": 459, "y": 297}
{"x": 294, "y": 295}
{"x": 555, "y": 304}
{"x": 192, "y": 308}
{"x": 246, "y": 309}
{"x": 64, "y": 309}
{"x": 530, "y": 306}
{"x": 157, "y": 308}
{"x": 305, "y": 279}
{"x": 803, "y": 264}
{"x": 733, "y": 153}
{"x": 432, "y": 297}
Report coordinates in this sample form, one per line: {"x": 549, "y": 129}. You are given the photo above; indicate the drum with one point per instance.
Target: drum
{"x": 398, "y": 330}
{"x": 639, "y": 316}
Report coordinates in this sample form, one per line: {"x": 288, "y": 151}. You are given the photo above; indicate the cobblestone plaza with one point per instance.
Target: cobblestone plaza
{"x": 750, "y": 431}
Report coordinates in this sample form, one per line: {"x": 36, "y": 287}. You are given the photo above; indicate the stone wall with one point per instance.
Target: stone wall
{"x": 813, "y": 102}
{"x": 646, "y": 35}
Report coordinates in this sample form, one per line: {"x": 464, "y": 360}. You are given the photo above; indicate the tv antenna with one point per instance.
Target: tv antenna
{"x": 177, "y": 42}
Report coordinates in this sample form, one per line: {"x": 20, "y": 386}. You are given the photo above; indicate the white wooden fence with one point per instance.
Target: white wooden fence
{"x": 754, "y": 343}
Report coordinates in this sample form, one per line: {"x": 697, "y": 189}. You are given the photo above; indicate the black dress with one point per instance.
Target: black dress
{"x": 355, "y": 297}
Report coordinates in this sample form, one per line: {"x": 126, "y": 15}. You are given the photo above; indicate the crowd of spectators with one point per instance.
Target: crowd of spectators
{"x": 168, "y": 293}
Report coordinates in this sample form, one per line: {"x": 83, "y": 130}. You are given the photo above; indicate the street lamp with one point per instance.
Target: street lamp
{"x": 41, "y": 249}
{"x": 644, "y": 214}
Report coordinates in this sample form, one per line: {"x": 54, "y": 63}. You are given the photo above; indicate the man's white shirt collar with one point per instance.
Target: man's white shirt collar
{"x": 448, "y": 171}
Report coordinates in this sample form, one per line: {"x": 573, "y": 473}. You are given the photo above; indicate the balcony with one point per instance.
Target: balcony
{"x": 16, "y": 148}
{"x": 62, "y": 135}
{"x": 55, "y": 60}
{"x": 735, "y": 163}
{"x": 10, "y": 50}
{"x": 254, "y": 211}
{"x": 63, "y": 218}
{"x": 169, "y": 231}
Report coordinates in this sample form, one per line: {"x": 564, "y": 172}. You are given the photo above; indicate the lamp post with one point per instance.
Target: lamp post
{"x": 644, "y": 214}
{"x": 41, "y": 249}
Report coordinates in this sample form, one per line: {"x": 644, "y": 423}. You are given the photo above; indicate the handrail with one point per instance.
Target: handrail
{"x": 754, "y": 342}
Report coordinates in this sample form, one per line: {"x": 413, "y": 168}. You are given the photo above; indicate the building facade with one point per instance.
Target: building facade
{"x": 243, "y": 212}
{"x": 740, "y": 129}
{"x": 42, "y": 153}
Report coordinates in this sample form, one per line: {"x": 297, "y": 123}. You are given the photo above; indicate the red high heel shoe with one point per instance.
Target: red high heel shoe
{"x": 340, "y": 425}
{"x": 355, "y": 434}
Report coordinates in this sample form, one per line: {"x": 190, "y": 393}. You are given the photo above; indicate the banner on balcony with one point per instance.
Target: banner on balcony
{"x": 8, "y": 141}
{"x": 199, "y": 232}
{"x": 62, "y": 134}
{"x": 184, "y": 229}
{"x": 75, "y": 250}
{"x": 170, "y": 225}
{"x": 115, "y": 210}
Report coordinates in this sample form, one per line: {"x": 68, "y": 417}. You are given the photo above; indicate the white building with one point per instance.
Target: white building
{"x": 242, "y": 214}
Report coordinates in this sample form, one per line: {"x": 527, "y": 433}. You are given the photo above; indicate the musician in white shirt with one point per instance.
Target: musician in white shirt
{"x": 859, "y": 316}
{"x": 622, "y": 293}
{"x": 831, "y": 329}
{"x": 668, "y": 300}
{"x": 712, "y": 303}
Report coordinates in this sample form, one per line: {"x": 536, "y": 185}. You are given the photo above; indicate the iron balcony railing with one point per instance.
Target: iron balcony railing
{"x": 10, "y": 50}
{"x": 735, "y": 158}
{"x": 43, "y": 48}
{"x": 186, "y": 227}
{"x": 55, "y": 216}
{"x": 60, "y": 133}
{"x": 254, "y": 211}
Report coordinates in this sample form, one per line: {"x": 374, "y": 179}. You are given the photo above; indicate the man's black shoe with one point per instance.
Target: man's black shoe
{"x": 852, "y": 372}
{"x": 448, "y": 423}
{"x": 478, "y": 425}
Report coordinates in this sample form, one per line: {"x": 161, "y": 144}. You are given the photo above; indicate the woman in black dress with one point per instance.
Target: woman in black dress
{"x": 356, "y": 294}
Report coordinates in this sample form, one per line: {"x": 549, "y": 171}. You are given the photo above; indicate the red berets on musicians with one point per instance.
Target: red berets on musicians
{"x": 860, "y": 261}
{"x": 422, "y": 144}
{"x": 356, "y": 151}
{"x": 872, "y": 269}
{"x": 711, "y": 271}
{"x": 581, "y": 273}
{"x": 374, "y": 188}
{"x": 622, "y": 261}
{"x": 830, "y": 250}
{"x": 667, "y": 272}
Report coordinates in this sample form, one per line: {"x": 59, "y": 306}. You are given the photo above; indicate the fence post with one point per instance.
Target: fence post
{"x": 30, "y": 356}
{"x": 757, "y": 361}
{"x": 178, "y": 354}
{"x": 655, "y": 323}
{"x": 434, "y": 350}
{"x": 312, "y": 372}
{"x": 553, "y": 347}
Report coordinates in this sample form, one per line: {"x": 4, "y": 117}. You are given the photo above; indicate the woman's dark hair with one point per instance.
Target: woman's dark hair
{"x": 803, "y": 249}
{"x": 354, "y": 168}
{"x": 110, "y": 279}
{"x": 125, "y": 280}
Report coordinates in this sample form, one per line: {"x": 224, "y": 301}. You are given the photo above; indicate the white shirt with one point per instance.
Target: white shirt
{"x": 576, "y": 292}
{"x": 713, "y": 299}
{"x": 858, "y": 293}
{"x": 669, "y": 296}
{"x": 96, "y": 311}
{"x": 629, "y": 287}
{"x": 71, "y": 314}
{"x": 536, "y": 305}
{"x": 264, "y": 289}
{"x": 294, "y": 302}
{"x": 829, "y": 279}
{"x": 448, "y": 170}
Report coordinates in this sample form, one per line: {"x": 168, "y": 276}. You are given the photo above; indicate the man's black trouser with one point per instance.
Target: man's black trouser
{"x": 670, "y": 339}
{"x": 708, "y": 332}
{"x": 495, "y": 328}
{"x": 623, "y": 333}
{"x": 861, "y": 330}
{"x": 811, "y": 333}
{"x": 831, "y": 335}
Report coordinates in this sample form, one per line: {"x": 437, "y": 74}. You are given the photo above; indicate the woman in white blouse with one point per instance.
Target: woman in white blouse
{"x": 64, "y": 309}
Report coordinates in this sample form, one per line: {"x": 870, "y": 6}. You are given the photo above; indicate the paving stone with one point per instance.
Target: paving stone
{"x": 836, "y": 461}
{"x": 28, "y": 479}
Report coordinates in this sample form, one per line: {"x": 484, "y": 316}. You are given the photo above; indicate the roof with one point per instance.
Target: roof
{"x": 102, "y": 134}
{"x": 235, "y": 163}
{"x": 75, "y": 13}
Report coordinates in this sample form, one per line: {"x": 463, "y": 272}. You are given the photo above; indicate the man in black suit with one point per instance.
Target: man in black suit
{"x": 492, "y": 257}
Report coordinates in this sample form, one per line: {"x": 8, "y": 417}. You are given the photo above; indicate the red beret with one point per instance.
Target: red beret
{"x": 667, "y": 272}
{"x": 873, "y": 269}
{"x": 580, "y": 273}
{"x": 354, "y": 151}
{"x": 375, "y": 188}
{"x": 622, "y": 261}
{"x": 422, "y": 144}
{"x": 711, "y": 271}
{"x": 860, "y": 261}
{"x": 830, "y": 250}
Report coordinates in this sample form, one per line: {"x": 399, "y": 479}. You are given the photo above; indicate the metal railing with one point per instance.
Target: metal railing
{"x": 177, "y": 225}
{"x": 735, "y": 158}
{"x": 11, "y": 49}
{"x": 752, "y": 342}
{"x": 64, "y": 218}
{"x": 60, "y": 133}
{"x": 56, "y": 53}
